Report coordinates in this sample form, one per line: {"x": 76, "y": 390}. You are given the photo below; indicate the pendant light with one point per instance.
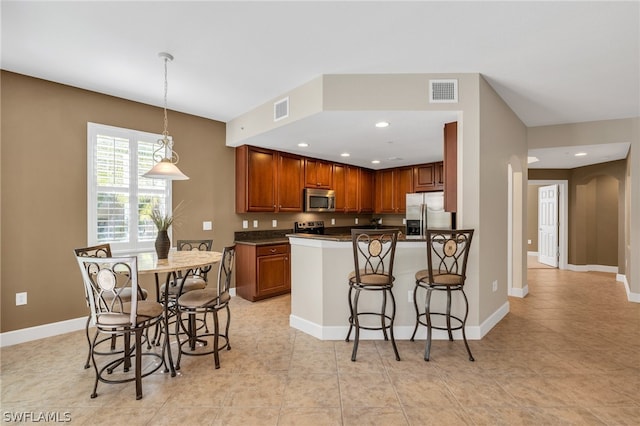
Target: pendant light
{"x": 165, "y": 155}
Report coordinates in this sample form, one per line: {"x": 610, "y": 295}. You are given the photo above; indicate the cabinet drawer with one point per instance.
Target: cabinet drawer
{"x": 269, "y": 250}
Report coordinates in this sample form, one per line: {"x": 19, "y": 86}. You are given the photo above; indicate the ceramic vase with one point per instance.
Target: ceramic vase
{"x": 163, "y": 244}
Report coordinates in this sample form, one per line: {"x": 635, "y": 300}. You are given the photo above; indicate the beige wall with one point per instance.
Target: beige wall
{"x": 503, "y": 141}
{"x": 44, "y": 187}
{"x": 532, "y": 217}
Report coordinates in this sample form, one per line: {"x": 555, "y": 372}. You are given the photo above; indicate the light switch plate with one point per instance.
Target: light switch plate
{"x": 21, "y": 298}
{"x": 333, "y": 221}
{"x": 255, "y": 223}
{"x": 404, "y": 221}
{"x": 356, "y": 220}
{"x": 245, "y": 224}
{"x": 206, "y": 225}
{"x": 274, "y": 223}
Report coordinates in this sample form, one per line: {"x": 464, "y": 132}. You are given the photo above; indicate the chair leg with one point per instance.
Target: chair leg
{"x": 383, "y": 318}
{"x": 127, "y": 351}
{"x": 393, "y": 317}
{"x": 464, "y": 321}
{"x": 350, "y": 314}
{"x": 227, "y": 327}
{"x": 95, "y": 366}
{"x": 86, "y": 329}
{"x": 427, "y": 315}
{"x": 216, "y": 333}
{"x": 138, "y": 349}
{"x": 448, "y": 315}
{"x": 356, "y": 325}
{"x": 415, "y": 304}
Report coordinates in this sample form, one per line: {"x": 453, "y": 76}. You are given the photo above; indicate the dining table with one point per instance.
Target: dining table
{"x": 178, "y": 266}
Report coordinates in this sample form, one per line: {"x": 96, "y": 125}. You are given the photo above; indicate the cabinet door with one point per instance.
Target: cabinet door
{"x": 339, "y": 186}
{"x": 273, "y": 274}
{"x": 424, "y": 177}
{"x": 365, "y": 188}
{"x": 318, "y": 174}
{"x": 290, "y": 182}
{"x": 351, "y": 182}
{"x": 450, "y": 166}
{"x": 384, "y": 192}
{"x": 439, "y": 178}
{"x": 255, "y": 179}
{"x": 403, "y": 185}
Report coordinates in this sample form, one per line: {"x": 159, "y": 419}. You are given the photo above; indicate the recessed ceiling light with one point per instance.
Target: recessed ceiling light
{"x": 382, "y": 124}
{"x": 580, "y": 154}
{"x": 303, "y": 144}
{"x": 375, "y": 161}
{"x": 344, "y": 154}
{"x": 532, "y": 160}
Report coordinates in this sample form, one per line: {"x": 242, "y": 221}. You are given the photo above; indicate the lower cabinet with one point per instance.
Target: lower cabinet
{"x": 262, "y": 271}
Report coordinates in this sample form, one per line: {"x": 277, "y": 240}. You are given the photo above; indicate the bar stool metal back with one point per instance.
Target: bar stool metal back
{"x": 373, "y": 256}
{"x": 447, "y": 253}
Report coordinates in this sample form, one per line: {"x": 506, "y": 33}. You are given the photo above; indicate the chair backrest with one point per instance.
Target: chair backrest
{"x": 374, "y": 251}
{"x": 105, "y": 280}
{"x": 101, "y": 250}
{"x": 190, "y": 245}
{"x": 447, "y": 251}
{"x": 225, "y": 269}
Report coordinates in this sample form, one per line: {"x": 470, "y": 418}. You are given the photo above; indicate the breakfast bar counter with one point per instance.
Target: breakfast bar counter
{"x": 319, "y": 289}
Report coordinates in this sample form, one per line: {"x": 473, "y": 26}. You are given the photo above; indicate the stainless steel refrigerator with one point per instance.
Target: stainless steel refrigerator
{"x": 426, "y": 210}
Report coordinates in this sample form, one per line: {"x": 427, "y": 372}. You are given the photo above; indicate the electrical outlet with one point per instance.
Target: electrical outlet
{"x": 356, "y": 220}
{"x": 21, "y": 298}
{"x": 333, "y": 221}
{"x": 245, "y": 224}
{"x": 206, "y": 225}
{"x": 404, "y": 220}
{"x": 494, "y": 285}
{"x": 528, "y": 241}
{"x": 255, "y": 223}
{"x": 274, "y": 223}
{"x": 409, "y": 296}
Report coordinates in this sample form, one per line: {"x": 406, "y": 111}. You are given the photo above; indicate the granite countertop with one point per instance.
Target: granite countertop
{"x": 281, "y": 236}
{"x": 346, "y": 237}
{"x": 263, "y": 241}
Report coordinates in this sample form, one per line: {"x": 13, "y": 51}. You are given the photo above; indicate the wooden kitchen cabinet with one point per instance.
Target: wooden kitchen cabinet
{"x": 262, "y": 271}
{"x": 366, "y": 179}
{"x": 391, "y": 188}
{"x": 353, "y": 188}
{"x": 268, "y": 181}
{"x": 428, "y": 177}
{"x": 318, "y": 174}
{"x": 450, "y": 167}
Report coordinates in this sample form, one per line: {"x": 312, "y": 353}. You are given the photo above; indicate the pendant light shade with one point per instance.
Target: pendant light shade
{"x": 166, "y": 157}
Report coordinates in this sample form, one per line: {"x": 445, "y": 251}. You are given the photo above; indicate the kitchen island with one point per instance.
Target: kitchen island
{"x": 319, "y": 288}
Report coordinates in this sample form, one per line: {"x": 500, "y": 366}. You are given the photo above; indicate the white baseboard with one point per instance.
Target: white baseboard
{"x": 48, "y": 330}
{"x": 402, "y": 332}
{"x": 593, "y": 268}
{"x": 532, "y": 253}
{"x": 631, "y": 297}
{"x": 41, "y": 331}
{"x": 519, "y": 292}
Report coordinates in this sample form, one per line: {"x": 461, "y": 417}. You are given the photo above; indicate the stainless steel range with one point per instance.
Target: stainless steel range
{"x": 311, "y": 227}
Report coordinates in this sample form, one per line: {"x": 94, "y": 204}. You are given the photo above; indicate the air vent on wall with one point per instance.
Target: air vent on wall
{"x": 281, "y": 109}
{"x": 443, "y": 91}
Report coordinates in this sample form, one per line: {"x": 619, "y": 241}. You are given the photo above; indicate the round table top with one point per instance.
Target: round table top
{"x": 178, "y": 260}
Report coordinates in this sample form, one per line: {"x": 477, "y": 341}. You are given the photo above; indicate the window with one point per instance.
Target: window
{"x": 119, "y": 198}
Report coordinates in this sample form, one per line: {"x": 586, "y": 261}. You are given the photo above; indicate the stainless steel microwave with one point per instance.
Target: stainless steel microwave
{"x": 319, "y": 200}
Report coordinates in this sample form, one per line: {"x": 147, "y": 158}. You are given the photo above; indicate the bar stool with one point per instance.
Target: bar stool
{"x": 447, "y": 253}
{"x": 373, "y": 256}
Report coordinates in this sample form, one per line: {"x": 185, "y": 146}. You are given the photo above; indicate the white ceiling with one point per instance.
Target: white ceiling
{"x": 552, "y": 62}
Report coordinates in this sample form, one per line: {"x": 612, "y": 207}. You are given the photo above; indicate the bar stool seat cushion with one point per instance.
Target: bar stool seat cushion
{"x": 203, "y": 298}
{"x": 439, "y": 279}
{"x": 370, "y": 279}
{"x": 190, "y": 284}
{"x": 147, "y": 310}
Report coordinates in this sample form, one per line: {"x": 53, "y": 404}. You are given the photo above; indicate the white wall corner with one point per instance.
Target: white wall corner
{"x": 490, "y": 322}
{"x": 631, "y": 297}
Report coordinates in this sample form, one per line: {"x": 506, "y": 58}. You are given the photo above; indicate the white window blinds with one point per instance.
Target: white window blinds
{"x": 119, "y": 198}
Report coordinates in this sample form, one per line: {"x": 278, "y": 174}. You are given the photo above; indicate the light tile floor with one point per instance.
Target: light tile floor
{"x": 568, "y": 353}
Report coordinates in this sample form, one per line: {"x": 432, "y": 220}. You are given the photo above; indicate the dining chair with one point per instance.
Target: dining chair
{"x": 373, "y": 256}
{"x": 447, "y": 254}
{"x": 106, "y": 280}
{"x": 103, "y": 250}
{"x": 207, "y": 300}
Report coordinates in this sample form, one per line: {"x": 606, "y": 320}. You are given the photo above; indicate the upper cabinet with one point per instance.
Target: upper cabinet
{"x": 450, "y": 167}
{"x": 268, "y": 181}
{"x": 366, "y": 179}
{"x": 353, "y": 188}
{"x": 318, "y": 174}
{"x": 428, "y": 177}
{"x": 391, "y": 188}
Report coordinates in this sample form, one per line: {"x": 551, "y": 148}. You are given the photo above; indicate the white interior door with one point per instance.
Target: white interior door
{"x": 548, "y": 225}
